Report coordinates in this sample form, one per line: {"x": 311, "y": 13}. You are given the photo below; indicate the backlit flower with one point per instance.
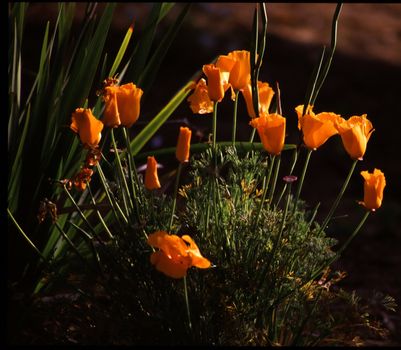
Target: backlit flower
{"x": 373, "y": 189}
{"x": 317, "y": 128}
{"x": 85, "y": 124}
{"x": 217, "y": 78}
{"x": 176, "y": 254}
{"x": 240, "y": 72}
{"x": 355, "y": 133}
{"x": 183, "y": 144}
{"x": 199, "y": 101}
{"x": 265, "y": 97}
{"x": 151, "y": 177}
{"x": 122, "y": 105}
{"x": 271, "y": 130}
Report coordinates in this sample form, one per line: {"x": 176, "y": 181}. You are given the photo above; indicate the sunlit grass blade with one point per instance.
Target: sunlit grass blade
{"x": 150, "y": 129}
{"x": 121, "y": 51}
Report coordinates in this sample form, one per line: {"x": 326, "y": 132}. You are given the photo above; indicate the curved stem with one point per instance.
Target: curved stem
{"x": 265, "y": 188}
{"x": 214, "y": 126}
{"x": 177, "y": 181}
{"x": 339, "y": 196}
{"x": 187, "y": 303}
{"x": 235, "y": 118}
{"x": 301, "y": 180}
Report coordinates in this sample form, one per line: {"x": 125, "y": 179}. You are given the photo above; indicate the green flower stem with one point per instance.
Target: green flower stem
{"x": 350, "y": 238}
{"x": 294, "y": 161}
{"x": 265, "y": 187}
{"x": 177, "y": 181}
{"x": 274, "y": 182}
{"x": 81, "y": 214}
{"x": 339, "y": 196}
{"x": 71, "y": 244}
{"x": 98, "y": 213}
{"x": 114, "y": 205}
{"x": 122, "y": 175}
{"x": 214, "y": 126}
{"x": 20, "y": 230}
{"x": 252, "y": 135}
{"x": 133, "y": 175}
{"x": 301, "y": 180}
{"x": 187, "y": 303}
{"x": 235, "y": 118}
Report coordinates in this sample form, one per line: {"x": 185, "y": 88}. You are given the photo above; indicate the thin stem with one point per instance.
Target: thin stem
{"x": 114, "y": 205}
{"x": 294, "y": 161}
{"x": 122, "y": 175}
{"x": 274, "y": 182}
{"x": 339, "y": 196}
{"x": 187, "y": 303}
{"x": 350, "y": 238}
{"x": 133, "y": 176}
{"x": 214, "y": 126}
{"x": 177, "y": 181}
{"x": 235, "y": 118}
{"x": 265, "y": 187}
{"x": 20, "y": 230}
{"x": 301, "y": 180}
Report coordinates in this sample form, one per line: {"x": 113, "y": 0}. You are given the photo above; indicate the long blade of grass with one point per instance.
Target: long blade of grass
{"x": 121, "y": 51}
{"x": 149, "y": 74}
{"x": 146, "y": 134}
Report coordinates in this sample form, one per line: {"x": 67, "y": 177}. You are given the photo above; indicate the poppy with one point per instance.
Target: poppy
{"x": 151, "y": 178}
{"x": 122, "y": 105}
{"x": 271, "y": 130}
{"x": 183, "y": 144}
{"x": 355, "y": 133}
{"x": 373, "y": 189}
{"x": 85, "y": 124}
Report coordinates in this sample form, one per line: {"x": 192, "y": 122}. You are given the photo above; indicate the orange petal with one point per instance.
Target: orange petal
{"x": 171, "y": 268}
{"x": 373, "y": 189}
{"x": 200, "y": 102}
{"x": 129, "y": 101}
{"x": 317, "y": 129}
{"x": 183, "y": 144}
{"x": 87, "y": 126}
{"x": 215, "y": 82}
{"x": 193, "y": 251}
{"x": 111, "y": 115}
{"x": 151, "y": 177}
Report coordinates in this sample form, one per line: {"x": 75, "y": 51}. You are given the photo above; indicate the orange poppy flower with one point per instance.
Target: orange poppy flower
{"x": 355, "y": 133}
{"x": 265, "y": 97}
{"x": 85, "y": 124}
{"x": 218, "y": 77}
{"x": 271, "y": 130}
{"x": 373, "y": 189}
{"x": 199, "y": 101}
{"x": 122, "y": 105}
{"x": 175, "y": 256}
{"x": 151, "y": 178}
{"x": 317, "y": 128}
{"x": 183, "y": 144}
{"x": 238, "y": 64}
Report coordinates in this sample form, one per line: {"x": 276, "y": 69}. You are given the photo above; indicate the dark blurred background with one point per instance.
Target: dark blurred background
{"x": 365, "y": 77}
